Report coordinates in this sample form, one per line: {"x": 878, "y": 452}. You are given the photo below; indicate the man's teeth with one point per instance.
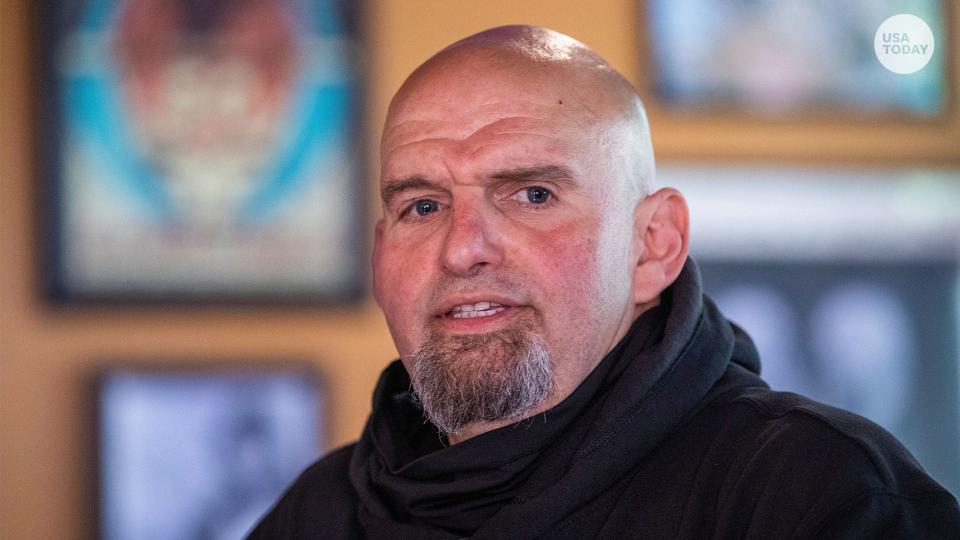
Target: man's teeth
{"x": 480, "y": 309}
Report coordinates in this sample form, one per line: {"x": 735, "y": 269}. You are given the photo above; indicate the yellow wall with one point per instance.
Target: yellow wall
{"x": 49, "y": 353}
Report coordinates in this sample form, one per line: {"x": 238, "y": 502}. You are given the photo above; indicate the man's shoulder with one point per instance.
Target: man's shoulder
{"x": 827, "y": 465}
{"x": 319, "y": 500}
{"x": 818, "y": 437}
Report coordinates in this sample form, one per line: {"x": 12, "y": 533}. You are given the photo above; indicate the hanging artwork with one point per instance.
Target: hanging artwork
{"x": 204, "y": 150}
{"x": 792, "y": 57}
{"x": 201, "y": 452}
{"x": 801, "y": 81}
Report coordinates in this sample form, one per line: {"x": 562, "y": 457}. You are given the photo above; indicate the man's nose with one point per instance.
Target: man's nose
{"x": 471, "y": 242}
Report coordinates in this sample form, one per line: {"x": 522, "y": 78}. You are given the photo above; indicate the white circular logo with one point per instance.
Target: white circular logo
{"x": 904, "y": 43}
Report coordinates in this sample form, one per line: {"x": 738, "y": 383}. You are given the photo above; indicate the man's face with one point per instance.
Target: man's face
{"x": 504, "y": 211}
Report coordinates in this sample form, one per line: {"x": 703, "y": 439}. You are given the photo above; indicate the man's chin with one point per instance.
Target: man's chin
{"x": 484, "y": 378}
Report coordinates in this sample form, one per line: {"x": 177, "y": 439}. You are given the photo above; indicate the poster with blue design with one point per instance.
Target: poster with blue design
{"x": 206, "y": 150}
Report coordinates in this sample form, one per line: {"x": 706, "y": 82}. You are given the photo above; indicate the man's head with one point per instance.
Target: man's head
{"x": 520, "y": 239}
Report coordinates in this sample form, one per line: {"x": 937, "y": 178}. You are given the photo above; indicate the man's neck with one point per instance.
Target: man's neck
{"x": 478, "y": 428}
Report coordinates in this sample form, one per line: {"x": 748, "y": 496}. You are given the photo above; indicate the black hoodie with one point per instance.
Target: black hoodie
{"x": 673, "y": 435}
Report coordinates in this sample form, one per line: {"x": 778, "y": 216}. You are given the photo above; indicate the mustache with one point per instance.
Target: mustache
{"x": 448, "y": 286}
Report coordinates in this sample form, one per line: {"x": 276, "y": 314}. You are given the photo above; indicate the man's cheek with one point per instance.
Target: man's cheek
{"x": 388, "y": 283}
{"x": 403, "y": 288}
{"x": 569, "y": 265}
{"x": 570, "y": 247}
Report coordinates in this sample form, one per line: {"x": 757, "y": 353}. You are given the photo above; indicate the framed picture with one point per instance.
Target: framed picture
{"x": 203, "y": 151}
{"x": 797, "y": 80}
{"x": 202, "y": 452}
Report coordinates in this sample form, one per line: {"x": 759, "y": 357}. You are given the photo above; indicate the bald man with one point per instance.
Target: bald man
{"x": 561, "y": 374}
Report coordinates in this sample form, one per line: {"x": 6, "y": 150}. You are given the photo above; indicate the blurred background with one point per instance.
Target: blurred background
{"x": 187, "y": 192}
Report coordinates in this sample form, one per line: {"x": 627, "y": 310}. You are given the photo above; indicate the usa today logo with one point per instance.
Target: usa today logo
{"x": 903, "y": 43}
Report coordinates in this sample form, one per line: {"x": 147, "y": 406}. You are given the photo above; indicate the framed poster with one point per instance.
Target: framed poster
{"x": 783, "y": 58}
{"x": 201, "y": 453}
{"x": 800, "y": 81}
{"x": 203, "y": 151}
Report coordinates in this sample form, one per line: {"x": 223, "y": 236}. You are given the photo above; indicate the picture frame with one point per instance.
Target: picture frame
{"x": 795, "y": 83}
{"x": 202, "y": 156}
{"x": 188, "y": 450}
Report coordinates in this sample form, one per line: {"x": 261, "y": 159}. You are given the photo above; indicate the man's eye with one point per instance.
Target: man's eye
{"x": 536, "y": 194}
{"x": 425, "y": 206}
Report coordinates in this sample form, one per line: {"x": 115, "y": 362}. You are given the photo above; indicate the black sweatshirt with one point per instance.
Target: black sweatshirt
{"x": 673, "y": 435}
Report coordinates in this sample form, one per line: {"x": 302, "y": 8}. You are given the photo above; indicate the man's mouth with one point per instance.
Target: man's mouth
{"x": 472, "y": 311}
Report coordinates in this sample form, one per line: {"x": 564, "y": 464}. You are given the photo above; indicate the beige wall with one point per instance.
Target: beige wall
{"x": 48, "y": 353}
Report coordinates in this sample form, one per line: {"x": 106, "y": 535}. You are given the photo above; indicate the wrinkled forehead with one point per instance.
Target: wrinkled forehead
{"x": 456, "y": 97}
{"x": 484, "y": 89}
{"x": 483, "y": 95}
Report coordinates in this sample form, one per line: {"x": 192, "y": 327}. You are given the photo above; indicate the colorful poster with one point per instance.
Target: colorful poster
{"x": 206, "y": 149}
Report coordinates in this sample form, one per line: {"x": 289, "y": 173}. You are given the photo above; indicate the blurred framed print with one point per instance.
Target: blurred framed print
{"x": 201, "y": 453}
{"x": 203, "y": 151}
{"x": 781, "y": 58}
{"x": 801, "y": 80}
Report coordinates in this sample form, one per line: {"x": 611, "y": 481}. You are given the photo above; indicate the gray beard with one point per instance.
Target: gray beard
{"x": 482, "y": 378}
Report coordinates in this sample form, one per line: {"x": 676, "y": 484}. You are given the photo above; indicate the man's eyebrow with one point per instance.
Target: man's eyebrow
{"x": 392, "y": 188}
{"x": 557, "y": 174}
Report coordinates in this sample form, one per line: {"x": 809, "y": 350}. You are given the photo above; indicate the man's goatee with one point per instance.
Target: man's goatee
{"x": 483, "y": 378}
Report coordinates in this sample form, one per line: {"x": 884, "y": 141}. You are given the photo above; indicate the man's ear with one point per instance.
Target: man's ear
{"x": 661, "y": 233}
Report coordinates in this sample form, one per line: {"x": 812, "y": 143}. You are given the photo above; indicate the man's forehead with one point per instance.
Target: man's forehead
{"x": 508, "y": 167}
{"x": 478, "y": 107}
{"x": 485, "y": 88}
{"x": 533, "y": 88}
{"x": 424, "y": 147}
{"x": 471, "y": 129}
{"x": 473, "y": 89}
